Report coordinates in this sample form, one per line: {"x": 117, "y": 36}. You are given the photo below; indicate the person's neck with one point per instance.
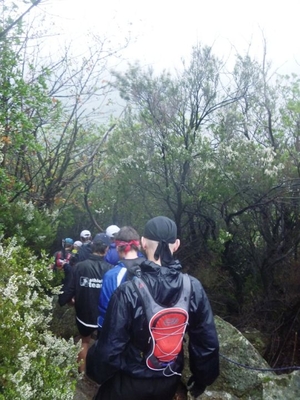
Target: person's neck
{"x": 150, "y": 257}
{"x": 132, "y": 254}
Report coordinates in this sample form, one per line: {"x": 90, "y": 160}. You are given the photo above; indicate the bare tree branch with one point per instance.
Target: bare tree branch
{"x": 9, "y": 27}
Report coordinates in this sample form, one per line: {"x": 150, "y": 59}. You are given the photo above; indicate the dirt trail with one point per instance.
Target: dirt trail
{"x": 85, "y": 390}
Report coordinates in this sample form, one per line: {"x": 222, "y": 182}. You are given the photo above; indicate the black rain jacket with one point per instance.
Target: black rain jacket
{"x": 85, "y": 284}
{"x": 124, "y": 339}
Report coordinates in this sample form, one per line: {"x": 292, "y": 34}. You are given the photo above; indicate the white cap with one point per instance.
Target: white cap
{"x": 112, "y": 230}
{"x": 85, "y": 234}
{"x": 78, "y": 243}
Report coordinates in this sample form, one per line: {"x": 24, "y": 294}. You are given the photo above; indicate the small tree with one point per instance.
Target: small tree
{"x": 167, "y": 120}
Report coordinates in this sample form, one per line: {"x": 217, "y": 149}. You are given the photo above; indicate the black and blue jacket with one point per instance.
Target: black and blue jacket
{"x": 112, "y": 279}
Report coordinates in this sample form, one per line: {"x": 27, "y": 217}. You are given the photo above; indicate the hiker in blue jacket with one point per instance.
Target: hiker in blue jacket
{"x": 118, "y": 360}
{"x": 127, "y": 242}
{"x": 112, "y": 256}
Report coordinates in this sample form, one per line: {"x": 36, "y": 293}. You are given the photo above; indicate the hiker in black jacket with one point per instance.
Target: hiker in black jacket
{"x": 83, "y": 291}
{"x": 118, "y": 360}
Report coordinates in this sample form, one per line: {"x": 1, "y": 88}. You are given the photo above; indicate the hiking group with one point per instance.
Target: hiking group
{"x": 131, "y": 291}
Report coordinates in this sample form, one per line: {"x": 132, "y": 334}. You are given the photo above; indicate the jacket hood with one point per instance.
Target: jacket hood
{"x": 163, "y": 282}
{"x": 149, "y": 266}
{"x": 133, "y": 267}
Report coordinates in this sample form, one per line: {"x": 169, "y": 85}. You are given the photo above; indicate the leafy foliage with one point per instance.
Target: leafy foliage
{"x": 35, "y": 363}
{"x": 34, "y": 227}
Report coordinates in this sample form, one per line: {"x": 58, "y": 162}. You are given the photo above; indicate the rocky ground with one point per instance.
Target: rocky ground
{"x": 86, "y": 389}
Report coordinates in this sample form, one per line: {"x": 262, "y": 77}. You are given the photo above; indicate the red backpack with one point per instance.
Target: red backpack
{"x": 59, "y": 257}
{"x": 167, "y": 326}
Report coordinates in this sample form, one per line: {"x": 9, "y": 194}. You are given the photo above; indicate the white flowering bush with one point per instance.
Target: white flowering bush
{"x": 253, "y": 160}
{"x": 34, "y": 363}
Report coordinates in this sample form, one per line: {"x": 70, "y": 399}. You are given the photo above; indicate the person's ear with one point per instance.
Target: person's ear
{"x": 143, "y": 243}
{"x": 176, "y": 245}
{"x": 121, "y": 253}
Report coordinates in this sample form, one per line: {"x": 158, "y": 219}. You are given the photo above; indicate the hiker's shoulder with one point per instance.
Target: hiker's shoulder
{"x": 196, "y": 283}
{"x": 113, "y": 272}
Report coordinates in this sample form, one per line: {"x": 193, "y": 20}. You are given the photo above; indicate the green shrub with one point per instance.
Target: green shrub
{"x": 35, "y": 228}
{"x": 34, "y": 363}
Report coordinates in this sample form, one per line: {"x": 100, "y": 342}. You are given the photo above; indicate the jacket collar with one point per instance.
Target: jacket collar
{"x": 150, "y": 266}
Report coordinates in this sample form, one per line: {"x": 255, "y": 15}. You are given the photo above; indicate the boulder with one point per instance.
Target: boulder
{"x": 244, "y": 373}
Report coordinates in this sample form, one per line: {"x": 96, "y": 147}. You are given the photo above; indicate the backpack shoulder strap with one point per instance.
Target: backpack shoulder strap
{"x": 185, "y": 297}
{"x": 121, "y": 274}
{"x": 136, "y": 282}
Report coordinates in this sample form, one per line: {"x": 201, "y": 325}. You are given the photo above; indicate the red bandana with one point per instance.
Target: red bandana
{"x": 127, "y": 244}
